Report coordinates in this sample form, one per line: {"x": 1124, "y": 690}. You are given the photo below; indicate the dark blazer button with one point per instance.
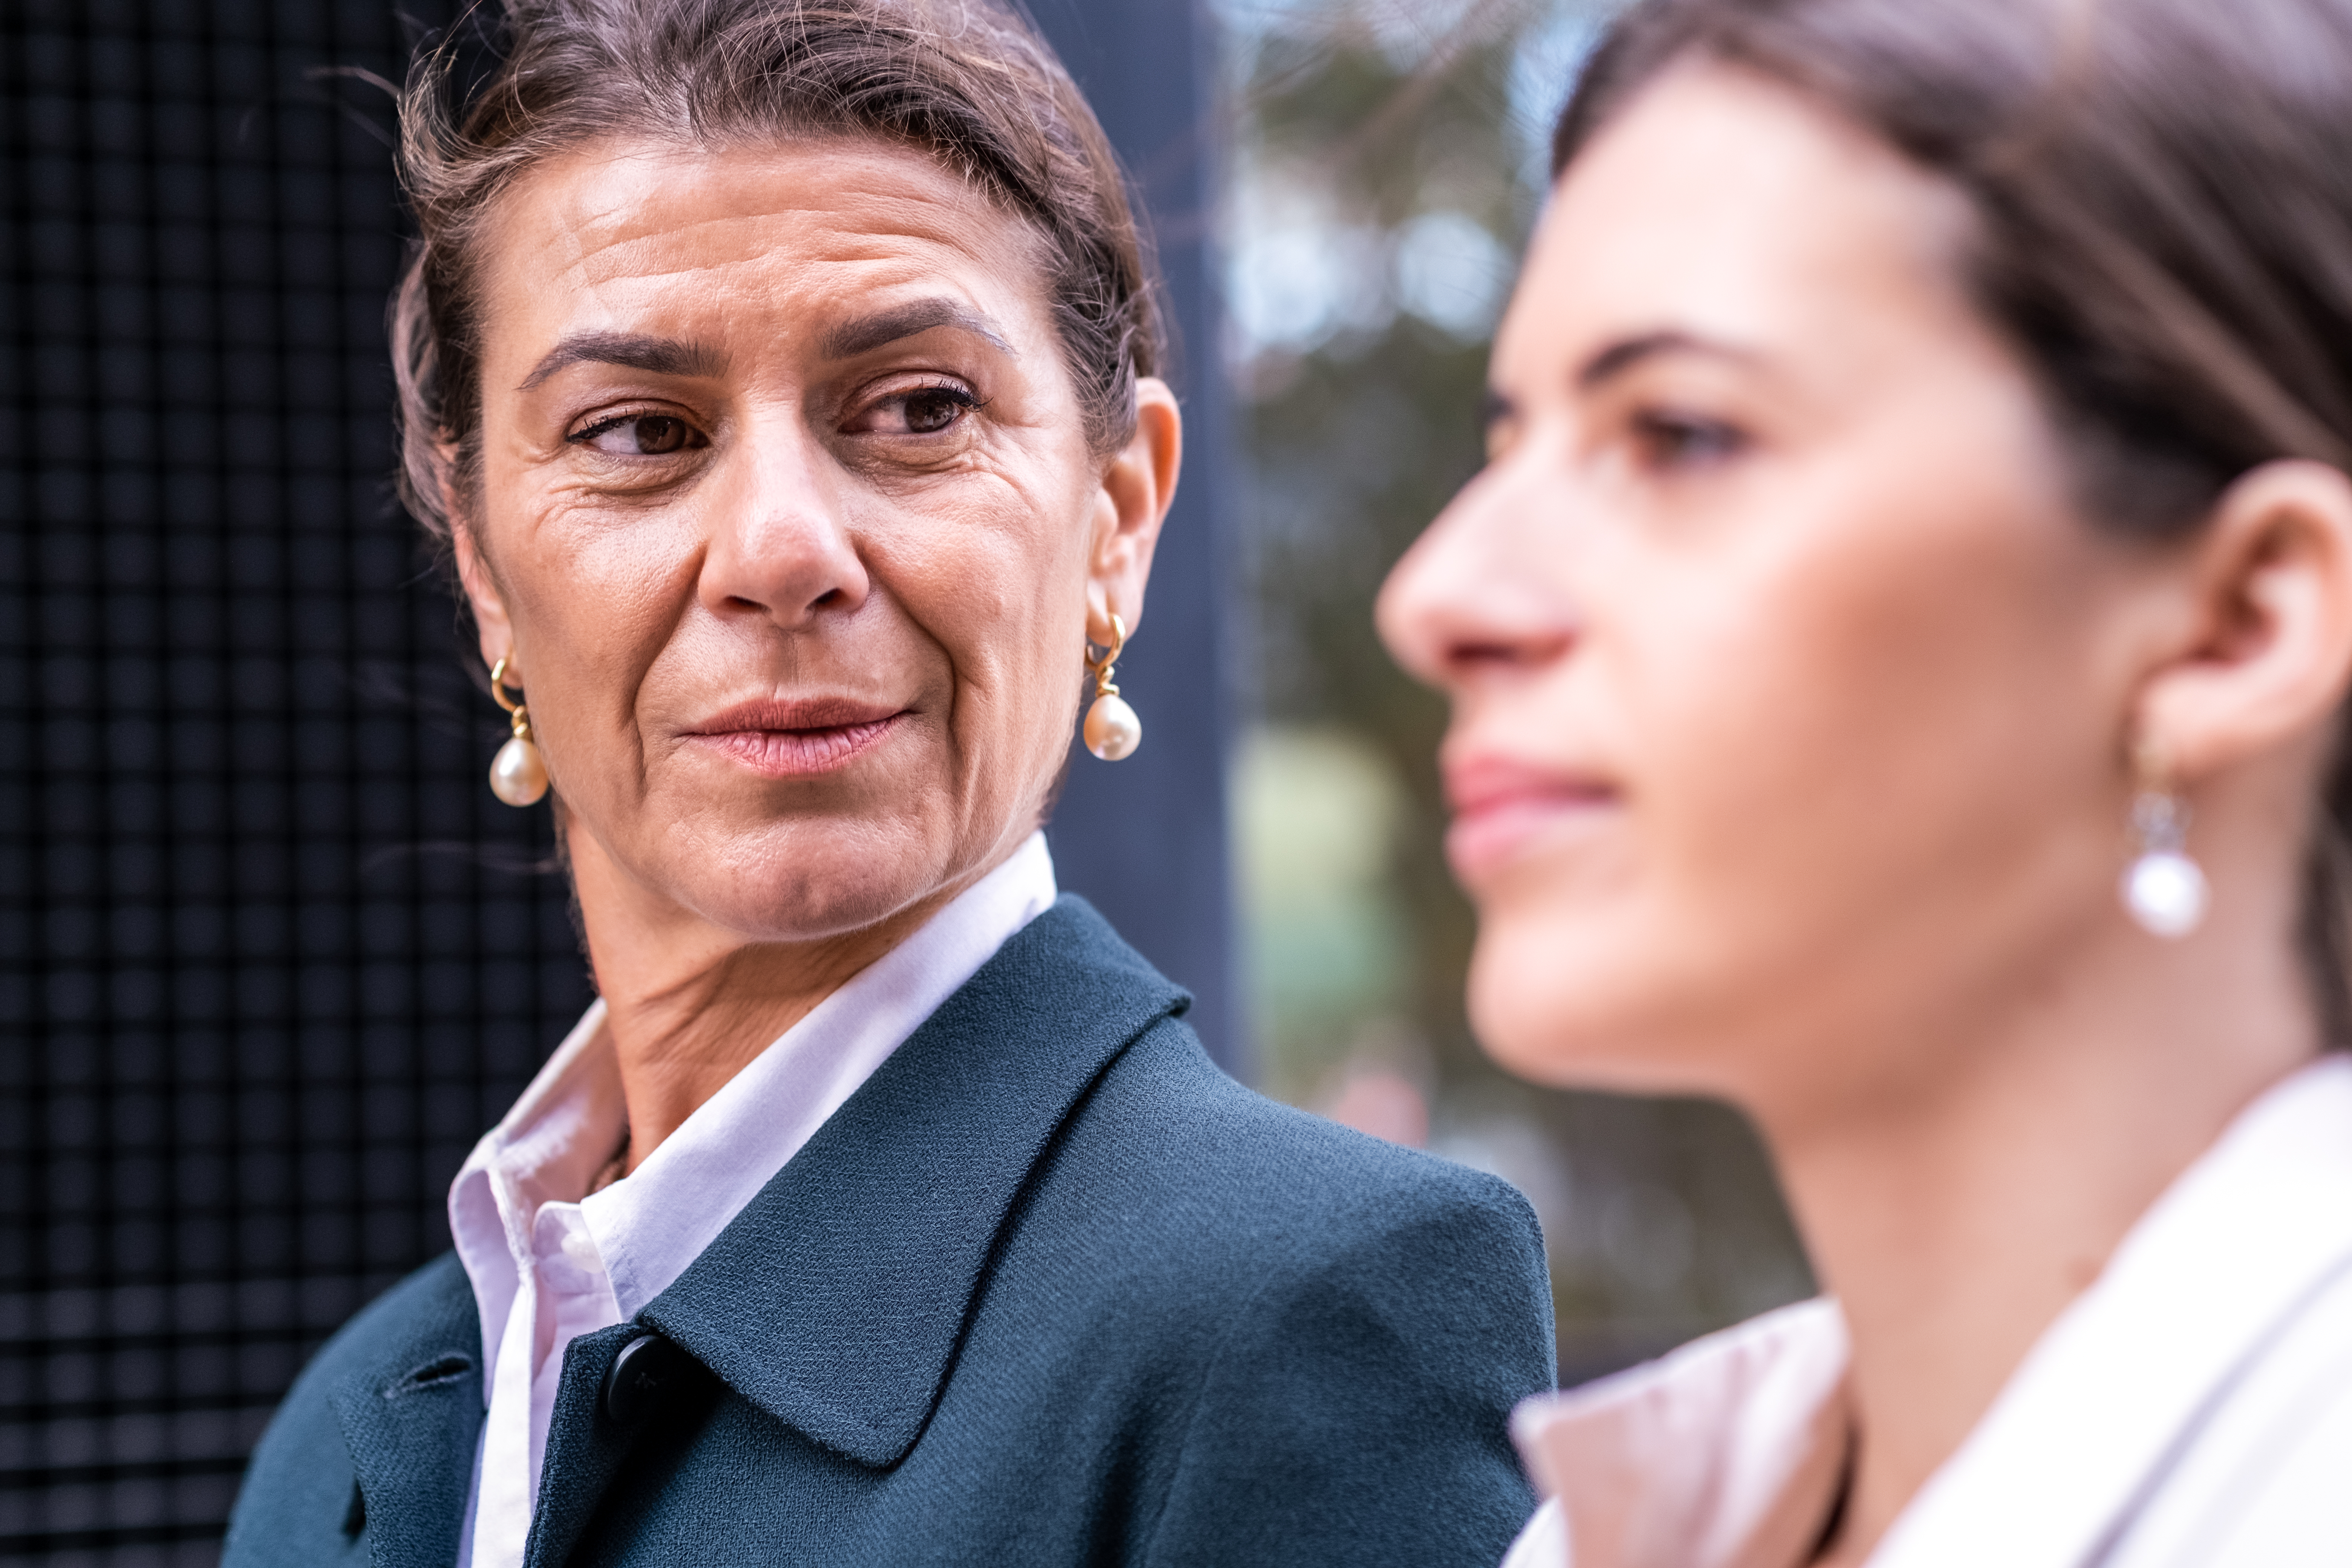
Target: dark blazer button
{"x": 647, "y": 1367}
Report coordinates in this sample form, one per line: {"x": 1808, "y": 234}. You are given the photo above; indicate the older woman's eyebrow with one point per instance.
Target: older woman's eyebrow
{"x": 867, "y": 333}
{"x": 636, "y": 351}
{"x": 1624, "y": 353}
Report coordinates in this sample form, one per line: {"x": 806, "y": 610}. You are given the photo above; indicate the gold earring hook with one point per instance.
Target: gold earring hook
{"x": 520, "y": 713}
{"x": 1102, "y": 667}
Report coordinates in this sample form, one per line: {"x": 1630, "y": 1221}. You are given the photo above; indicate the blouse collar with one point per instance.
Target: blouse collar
{"x": 1729, "y": 1453}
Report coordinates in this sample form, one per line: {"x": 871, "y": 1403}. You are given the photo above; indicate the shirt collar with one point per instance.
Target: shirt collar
{"x": 648, "y": 1227}
{"x": 546, "y": 1149}
{"x": 1727, "y": 1454}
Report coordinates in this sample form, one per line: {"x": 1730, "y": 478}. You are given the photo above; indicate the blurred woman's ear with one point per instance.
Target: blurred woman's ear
{"x": 2269, "y": 657}
{"x": 1137, "y": 488}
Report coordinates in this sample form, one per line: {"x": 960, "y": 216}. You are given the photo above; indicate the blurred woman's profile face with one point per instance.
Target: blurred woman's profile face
{"x": 1789, "y": 688}
{"x": 789, "y": 521}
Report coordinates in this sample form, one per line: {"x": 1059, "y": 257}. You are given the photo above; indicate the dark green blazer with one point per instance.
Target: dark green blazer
{"x": 1049, "y": 1288}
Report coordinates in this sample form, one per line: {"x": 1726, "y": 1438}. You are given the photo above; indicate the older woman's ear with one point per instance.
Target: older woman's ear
{"x": 2270, "y": 649}
{"x": 1137, "y": 489}
{"x": 491, "y": 622}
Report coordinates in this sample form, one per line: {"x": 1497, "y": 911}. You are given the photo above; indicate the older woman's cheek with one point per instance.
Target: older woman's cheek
{"x": 604, "y": 602}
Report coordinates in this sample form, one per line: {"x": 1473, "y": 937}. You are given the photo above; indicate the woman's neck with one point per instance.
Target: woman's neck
{"x": 687, "y": 1003}
{"x": 1956, "y": 1213}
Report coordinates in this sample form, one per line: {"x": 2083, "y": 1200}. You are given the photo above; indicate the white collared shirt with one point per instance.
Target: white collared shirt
{"x": 550, "y": 1260}
{"x": 2193, "y": 1407}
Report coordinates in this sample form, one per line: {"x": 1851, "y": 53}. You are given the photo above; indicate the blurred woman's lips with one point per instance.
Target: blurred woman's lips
{"x": 1500, "y": 806}
{"x": 798, "y": 738}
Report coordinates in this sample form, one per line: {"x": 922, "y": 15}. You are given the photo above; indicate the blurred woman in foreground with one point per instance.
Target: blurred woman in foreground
{"x": 1898, "y": 649}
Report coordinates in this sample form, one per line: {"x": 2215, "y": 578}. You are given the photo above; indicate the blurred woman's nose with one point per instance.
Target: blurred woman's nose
{"x": 780, "y": 545}
{"x": 1481, "y": 590}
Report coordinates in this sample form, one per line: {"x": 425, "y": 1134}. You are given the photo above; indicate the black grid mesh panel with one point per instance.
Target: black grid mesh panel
{"x": 270, "y": 954}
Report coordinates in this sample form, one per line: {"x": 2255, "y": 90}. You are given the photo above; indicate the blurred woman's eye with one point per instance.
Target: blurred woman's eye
{"x": 925, "y": 411}
{"x": 1668, "y": 440}
{"x": 641, "y": 436}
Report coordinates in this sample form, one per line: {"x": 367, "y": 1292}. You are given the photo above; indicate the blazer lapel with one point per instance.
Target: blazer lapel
{"x": 835, "y": 1301}
{"x": 584, "y": 1450}
{"x": 410, "y": 1417}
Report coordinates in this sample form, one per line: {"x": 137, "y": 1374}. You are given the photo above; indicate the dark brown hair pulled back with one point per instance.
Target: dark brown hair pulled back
{"x": 2162, "y": 192}
{"x": 967, "y": 83}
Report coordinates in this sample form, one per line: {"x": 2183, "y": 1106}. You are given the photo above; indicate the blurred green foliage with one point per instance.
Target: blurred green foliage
{"x": 1386, "y": 162}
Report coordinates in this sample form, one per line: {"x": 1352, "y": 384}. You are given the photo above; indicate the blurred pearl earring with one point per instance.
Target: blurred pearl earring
{"x": 1112, "y": 730}
{"x": 519, "y": 774}
{"x": 2165, "y": 891}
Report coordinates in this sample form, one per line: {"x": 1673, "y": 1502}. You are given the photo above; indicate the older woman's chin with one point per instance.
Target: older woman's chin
{"x": 802, "y": 880}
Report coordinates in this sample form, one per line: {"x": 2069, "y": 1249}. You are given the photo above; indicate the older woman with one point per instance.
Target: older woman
{"x": 1898, "y": 651}
{"x": 778, "y": 374}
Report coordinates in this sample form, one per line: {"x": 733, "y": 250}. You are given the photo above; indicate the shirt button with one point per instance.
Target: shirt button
{"x": 581, "y": 1248}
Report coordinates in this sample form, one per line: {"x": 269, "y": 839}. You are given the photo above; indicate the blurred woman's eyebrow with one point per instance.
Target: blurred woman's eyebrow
{"x": 866, "y": 333}
{"x": 636, "y": 350}
{"x": 1624, "y": 353}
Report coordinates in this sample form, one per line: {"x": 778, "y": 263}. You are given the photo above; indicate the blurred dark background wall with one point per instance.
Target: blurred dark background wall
{"x": 271, "y": 956}
{"x": 1145, "y": 838}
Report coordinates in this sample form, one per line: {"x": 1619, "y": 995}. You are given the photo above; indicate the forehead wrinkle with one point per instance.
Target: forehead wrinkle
{"x": 916, "y": 261}
{"x": 717, "y": 242}
{"x": 854, "y": 219}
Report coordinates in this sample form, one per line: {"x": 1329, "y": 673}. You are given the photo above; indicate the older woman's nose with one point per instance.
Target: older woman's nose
{"x": 779, "y": 543}
{"x": 1481, "y": 589}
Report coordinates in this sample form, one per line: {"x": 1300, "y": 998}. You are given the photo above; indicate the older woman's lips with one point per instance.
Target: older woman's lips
{"x": 796, "y": 739}
{"x": 1502, "y": 807}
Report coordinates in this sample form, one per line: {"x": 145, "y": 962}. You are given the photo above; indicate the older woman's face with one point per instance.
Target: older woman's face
{"x": 1789, "y": 690}
{"x": 788, "y": 520}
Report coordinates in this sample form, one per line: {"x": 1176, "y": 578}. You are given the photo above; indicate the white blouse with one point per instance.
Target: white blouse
{"x": 550, "y": 1260}
{"x": 2192, "y": 1407}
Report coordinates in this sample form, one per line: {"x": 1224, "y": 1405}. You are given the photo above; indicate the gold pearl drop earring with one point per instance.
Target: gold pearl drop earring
{"x": 1112, "y": 730}
{"x": 518, "y": 774}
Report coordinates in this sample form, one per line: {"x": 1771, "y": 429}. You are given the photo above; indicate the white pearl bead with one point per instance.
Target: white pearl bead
{"x": 519, "y": 774}
{"x": 1113, "y": 731}
{"x": 2165, "y": 892}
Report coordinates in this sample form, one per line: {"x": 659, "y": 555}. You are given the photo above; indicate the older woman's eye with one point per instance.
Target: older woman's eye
{"x": 929, "y": 411}
{"x": 926, "y": 411}
{"x": 642, "y": 436}
{"x": 1684, "y": 441}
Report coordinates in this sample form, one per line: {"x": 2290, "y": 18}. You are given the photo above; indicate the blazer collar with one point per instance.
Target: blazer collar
{"x": 835, "y": 1298}
{"x": 409, "y": 1416}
